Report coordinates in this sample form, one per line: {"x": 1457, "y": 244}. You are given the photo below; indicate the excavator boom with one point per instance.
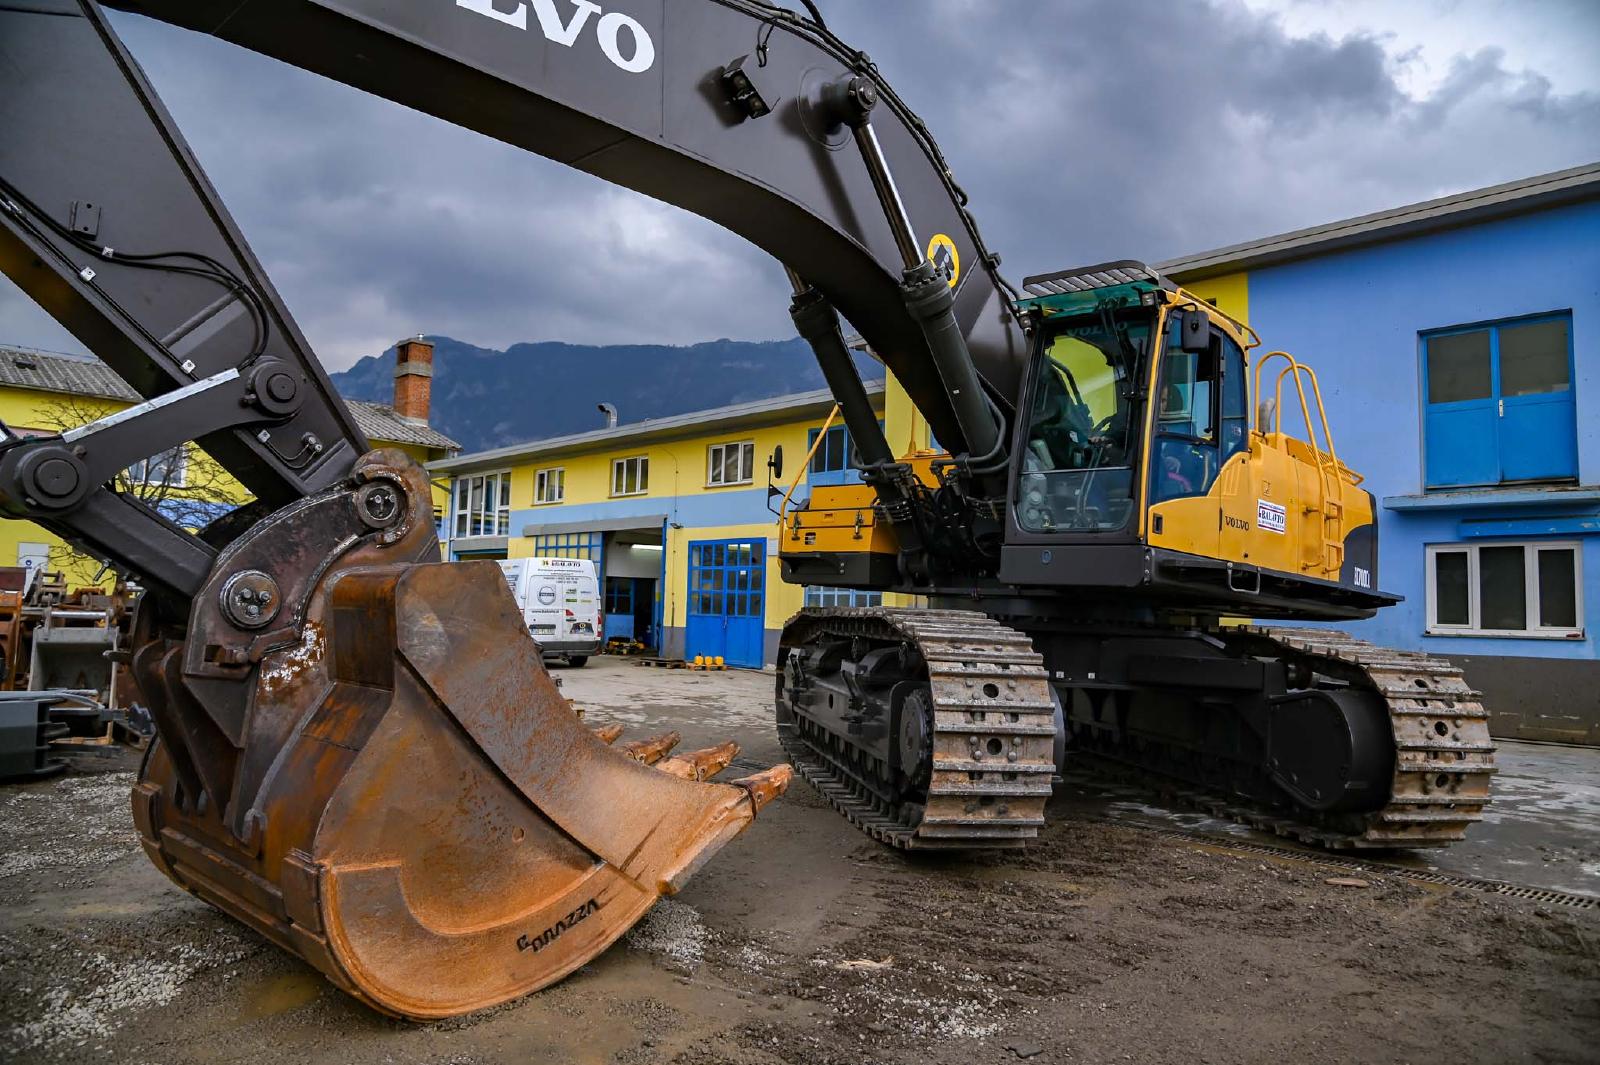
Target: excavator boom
{"x": 722, "y": 107}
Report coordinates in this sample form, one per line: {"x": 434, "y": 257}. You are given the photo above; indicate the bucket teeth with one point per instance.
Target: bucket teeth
{"x": 652, "y": 750}
{"x": 702, "y": 764}
{"x": 766, "y": 785}
{"x": 607, "y": 733}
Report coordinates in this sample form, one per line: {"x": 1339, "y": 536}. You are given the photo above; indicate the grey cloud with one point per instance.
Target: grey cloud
{"x": 1083, "y": 131}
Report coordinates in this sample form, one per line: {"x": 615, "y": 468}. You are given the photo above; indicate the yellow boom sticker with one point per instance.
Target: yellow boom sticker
{"x": 942, "y": 253}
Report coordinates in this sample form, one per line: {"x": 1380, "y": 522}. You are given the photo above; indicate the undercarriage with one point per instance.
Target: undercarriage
{"x": 942, "y": 728}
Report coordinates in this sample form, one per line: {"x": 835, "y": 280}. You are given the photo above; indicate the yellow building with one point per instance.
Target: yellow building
{"x": 675, "y": 511}
{"x": 46, "y": 392}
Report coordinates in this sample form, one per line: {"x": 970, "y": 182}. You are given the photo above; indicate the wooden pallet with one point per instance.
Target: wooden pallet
{"x": 678, "y": 663}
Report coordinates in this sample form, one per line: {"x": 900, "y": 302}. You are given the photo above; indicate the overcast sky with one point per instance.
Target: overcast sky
{"x": 1083, "y": 131}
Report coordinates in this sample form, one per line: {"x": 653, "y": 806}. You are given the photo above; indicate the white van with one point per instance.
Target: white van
{"x": 560, "y": 603}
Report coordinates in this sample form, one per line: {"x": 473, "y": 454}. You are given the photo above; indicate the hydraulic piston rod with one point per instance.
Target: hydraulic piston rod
{"x": 928, "y": 293}
{"x": 817, "y": 321}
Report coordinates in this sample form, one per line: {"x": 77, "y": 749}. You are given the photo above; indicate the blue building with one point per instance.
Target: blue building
{"x": 1458, "y": 346}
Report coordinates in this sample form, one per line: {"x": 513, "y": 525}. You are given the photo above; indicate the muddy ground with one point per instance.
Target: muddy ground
{"x": 803, "y": 942}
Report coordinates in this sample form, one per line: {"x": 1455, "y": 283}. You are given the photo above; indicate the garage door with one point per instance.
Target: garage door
{"x": 727, "y": 601}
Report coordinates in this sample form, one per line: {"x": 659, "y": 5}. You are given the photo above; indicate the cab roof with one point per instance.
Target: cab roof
{"x": 1083, "y": 288}
{"x": 1125, "y": 282}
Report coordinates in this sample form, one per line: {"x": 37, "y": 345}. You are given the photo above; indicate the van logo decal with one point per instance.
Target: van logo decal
{"x": 547, "y": 596}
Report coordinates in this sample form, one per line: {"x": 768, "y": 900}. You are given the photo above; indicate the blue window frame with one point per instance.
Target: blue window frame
{"x": 836, "y": 460}
{"x": 1498, "y": 403}
{"x": 619, "y": 595}
{"x": 568, "y": 545}
{"x": 824, "y": 595}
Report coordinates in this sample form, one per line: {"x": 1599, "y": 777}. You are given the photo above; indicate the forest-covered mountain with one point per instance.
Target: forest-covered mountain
{"x": 486, "y": 398}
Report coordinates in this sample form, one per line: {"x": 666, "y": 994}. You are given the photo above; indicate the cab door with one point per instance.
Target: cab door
{"x": 1238, "y": 483}
{"x": 1185, "y": 455}
{"x": 1202, "y": 501}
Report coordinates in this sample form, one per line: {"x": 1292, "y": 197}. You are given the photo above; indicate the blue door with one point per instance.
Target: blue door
{"x": 619, "y": 607}
{"x": 727, "y": 601}
{"x": 1500, "y": 403}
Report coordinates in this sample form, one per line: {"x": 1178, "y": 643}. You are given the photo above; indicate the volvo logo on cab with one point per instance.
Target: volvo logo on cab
{"x": 608, "y": 28}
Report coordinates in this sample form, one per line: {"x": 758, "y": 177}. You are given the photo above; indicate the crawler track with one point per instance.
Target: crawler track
{"x": 992, "y": 725}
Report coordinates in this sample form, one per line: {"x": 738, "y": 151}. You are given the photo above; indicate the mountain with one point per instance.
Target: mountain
{"x": 486, "y": 398}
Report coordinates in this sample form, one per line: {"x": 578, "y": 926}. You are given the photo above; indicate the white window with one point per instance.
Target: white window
{"x": 1506, "y": 589}
{"x": 730, "y": 463}
{"x": 550, "y": 486}
{"x": 482, "y": 504}
{"x": 630, "y": 477}
{"x": 170, "y": 468}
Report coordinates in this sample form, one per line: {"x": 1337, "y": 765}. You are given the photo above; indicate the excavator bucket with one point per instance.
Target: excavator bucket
{"x": 416, "y": 810}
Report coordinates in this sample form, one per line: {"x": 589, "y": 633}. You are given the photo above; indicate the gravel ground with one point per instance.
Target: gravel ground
{"x": 803, "y": 942}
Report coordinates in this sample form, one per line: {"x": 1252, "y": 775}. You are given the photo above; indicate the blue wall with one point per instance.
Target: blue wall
{"x": 1356, "y": 317}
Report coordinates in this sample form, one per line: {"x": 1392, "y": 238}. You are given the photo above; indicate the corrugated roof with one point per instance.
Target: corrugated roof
{"x": 84, "y": 375}
{"x": 382, "y": 423}
{"x": 73, "y": 375}
{"x": 761, "y": 411}
{"x": 1446, "y": 212}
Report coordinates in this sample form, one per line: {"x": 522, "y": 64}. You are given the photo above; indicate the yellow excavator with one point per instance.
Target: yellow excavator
{"x": 359, "y": 753}
{"x": 1151, "y": 497}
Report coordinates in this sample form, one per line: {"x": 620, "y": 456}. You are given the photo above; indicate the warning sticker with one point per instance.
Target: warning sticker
{"x": 1271, "y": 517}
{"x": 942, "y": 253}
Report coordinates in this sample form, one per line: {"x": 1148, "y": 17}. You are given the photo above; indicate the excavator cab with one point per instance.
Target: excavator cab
{"x": 1136, "y": 434}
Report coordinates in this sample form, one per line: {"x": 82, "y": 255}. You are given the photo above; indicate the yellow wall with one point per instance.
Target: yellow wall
{"x": 678, "y": 468}
{"x": 903, "y": 425}
{"x": 678, "y": 473}
{"x": 1229, "y": 293}
{"x": 23, "y": 409}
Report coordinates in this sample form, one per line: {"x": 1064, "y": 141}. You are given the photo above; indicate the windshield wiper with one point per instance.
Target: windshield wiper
{"x": 1118, "y": 330}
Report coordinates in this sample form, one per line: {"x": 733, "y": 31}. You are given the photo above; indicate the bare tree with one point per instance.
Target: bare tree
{"x": 185, "y": 485}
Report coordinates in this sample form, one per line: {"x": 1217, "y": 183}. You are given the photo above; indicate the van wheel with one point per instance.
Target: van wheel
{"x": 577, "y": 661}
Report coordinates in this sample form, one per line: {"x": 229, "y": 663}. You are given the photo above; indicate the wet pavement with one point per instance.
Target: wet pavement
{"x": 805, "y": 943}
{"x": 1542, "y": 829}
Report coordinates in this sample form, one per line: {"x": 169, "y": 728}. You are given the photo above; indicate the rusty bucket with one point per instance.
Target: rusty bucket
{"x": 436, "y": 829}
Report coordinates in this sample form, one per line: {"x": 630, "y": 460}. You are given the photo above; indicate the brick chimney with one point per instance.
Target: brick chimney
{"x": 413, "y": 379}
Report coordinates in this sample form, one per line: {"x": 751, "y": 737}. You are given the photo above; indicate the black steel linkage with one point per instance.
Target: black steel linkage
{"x": 109, "y": 224}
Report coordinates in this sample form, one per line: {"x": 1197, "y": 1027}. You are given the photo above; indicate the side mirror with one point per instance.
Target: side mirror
{"x": 1194, "y": 330}
{"x": 775, "y": 462}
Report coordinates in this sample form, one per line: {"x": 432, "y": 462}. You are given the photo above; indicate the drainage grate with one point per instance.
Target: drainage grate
{"x": 1490, "y": 887}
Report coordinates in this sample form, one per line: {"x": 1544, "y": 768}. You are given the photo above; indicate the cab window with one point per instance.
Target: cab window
{"x": 1077, "y": 466}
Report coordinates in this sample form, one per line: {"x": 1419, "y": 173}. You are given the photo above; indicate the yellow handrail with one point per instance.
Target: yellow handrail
{"x": 1261, "y": 364}
{"x": 1328, "y": 464}
{"x": 1322, "y": 411}
{"x": 805, "y": 463}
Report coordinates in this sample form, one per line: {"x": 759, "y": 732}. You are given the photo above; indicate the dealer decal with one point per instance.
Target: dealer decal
{"x": 1271, "y": 517}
